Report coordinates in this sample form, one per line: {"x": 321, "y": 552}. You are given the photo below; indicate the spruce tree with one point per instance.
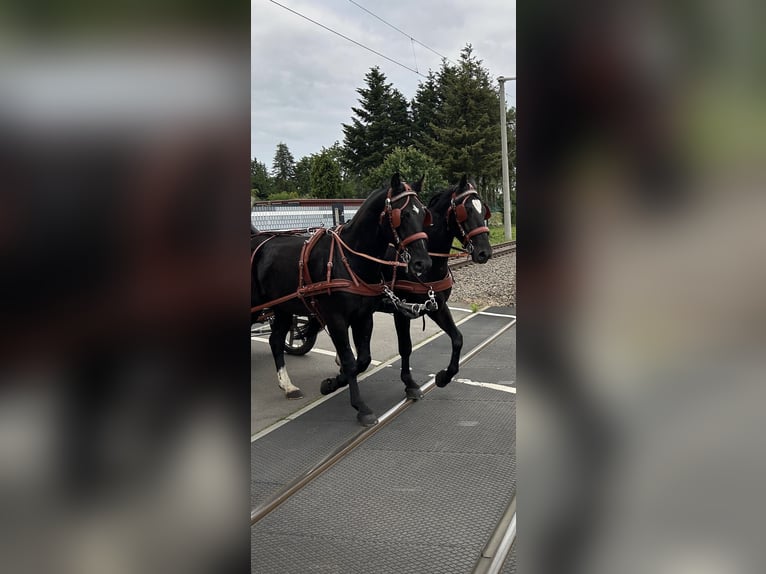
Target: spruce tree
{"x": 425, "y": 105}
{"x": 303, "y": 176}
{"x": 283, "y": 169}
{"x": 260, "y": 182}
{"x": 325, "y": 176}
{"x": 466, "y": 129}
{"x": 380, "y": 123}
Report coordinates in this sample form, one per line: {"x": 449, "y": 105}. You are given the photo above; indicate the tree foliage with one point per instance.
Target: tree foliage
{"x": 467, "y": 125}
{"x": 283, "y": 169}
{"x": 326, "y": 180}
{"x": 412, "y": 164}
{"x": 380, "y": 123}
{"x": 425, "y": 108}
{"x": 260, "y": 182}
{"x": 303, "y": 176}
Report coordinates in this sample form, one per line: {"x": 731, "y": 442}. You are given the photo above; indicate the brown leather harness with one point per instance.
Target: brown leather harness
{"x": 457, "y": 205}
{"x": 308, "y": 288}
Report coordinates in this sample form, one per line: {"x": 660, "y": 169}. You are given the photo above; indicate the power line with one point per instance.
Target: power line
{"x": 349, "y": 39}
{"x": 400, "y": 31}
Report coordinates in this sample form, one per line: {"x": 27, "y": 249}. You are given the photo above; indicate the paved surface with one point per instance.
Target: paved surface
{"x": 267, "y": 401}
{"x": 422, "y": 495}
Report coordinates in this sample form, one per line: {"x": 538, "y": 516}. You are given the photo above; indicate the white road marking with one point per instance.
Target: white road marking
{"x": 504, "y": 388}
{"x": 487, "y": 313}
{"x": 314, "y": 350}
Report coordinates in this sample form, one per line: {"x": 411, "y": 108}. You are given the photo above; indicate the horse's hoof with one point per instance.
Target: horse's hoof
{"x": 328, "y": 386}
{"x": 296, "y": 394}
{"x": 413, "y": 393}
{"x": 368, "y": 420}
{"x": 442, "y": 380}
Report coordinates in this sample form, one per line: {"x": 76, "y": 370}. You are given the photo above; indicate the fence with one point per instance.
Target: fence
{"x": 302, "y": 213}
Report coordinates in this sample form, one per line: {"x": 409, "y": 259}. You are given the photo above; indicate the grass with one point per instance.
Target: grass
{"x": 497, "y": 234}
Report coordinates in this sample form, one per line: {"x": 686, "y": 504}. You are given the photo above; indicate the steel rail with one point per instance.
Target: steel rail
{"x": 498, "y": 250}
{"x": 262, "y": 510}
{"x": 495, "y": 552}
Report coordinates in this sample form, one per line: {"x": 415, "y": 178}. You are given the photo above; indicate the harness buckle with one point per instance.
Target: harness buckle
{"x": 431, "y": 304}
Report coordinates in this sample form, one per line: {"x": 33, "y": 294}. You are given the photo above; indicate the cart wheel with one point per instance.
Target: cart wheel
{"x": 298, "y": 341}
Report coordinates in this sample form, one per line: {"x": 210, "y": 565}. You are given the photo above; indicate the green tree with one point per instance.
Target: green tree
{"x": 326, "y": 180}
{"x": 260, "y": 182}
{"x": 411, "y": 163}
{"x": 466, "y": 126}
{"x": 351, "y": 185}
{"x": 283, "y": 169}
{"x": 380, "y": 123}
{"x": 303, "y": 176}
{"x": 425, "y": 105}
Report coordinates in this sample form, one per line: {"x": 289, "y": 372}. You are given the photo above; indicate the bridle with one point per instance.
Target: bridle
{"x": 457, "y": 206}
{"x": 394, "y": 216}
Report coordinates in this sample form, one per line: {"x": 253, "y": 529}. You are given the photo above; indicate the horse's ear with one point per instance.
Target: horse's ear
{"x": 418, "y": 185}
{"x": 396, "y": 181}
{"x": 463, "y": 182}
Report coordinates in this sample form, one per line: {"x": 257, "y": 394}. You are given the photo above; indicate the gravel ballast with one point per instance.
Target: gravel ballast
{"x": 493, "y": 283}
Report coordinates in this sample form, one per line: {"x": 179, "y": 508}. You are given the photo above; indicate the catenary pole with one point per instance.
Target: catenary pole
{"x": 504, "y": 143}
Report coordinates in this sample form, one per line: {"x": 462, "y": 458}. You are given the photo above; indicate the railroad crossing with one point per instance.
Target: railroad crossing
{"x": 430, "y": 489}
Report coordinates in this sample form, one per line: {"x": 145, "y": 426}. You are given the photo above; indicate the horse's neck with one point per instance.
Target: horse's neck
{"x": 365, "y": 236}
{"x": 440, "y": 238}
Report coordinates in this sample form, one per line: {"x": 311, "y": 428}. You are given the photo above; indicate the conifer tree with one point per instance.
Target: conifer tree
{"x": 283, "y": 169}
{"x": 380, "y": 123}
{"x": 466, "y": 129}
{"x": 260, "y": 182}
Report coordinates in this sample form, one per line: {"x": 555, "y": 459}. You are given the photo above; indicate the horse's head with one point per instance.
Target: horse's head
{"x": 469, "y": 215}
{"x": 406, "y": 217}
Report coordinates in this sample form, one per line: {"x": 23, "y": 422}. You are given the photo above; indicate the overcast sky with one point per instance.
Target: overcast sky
{"x": 304, "y": 78}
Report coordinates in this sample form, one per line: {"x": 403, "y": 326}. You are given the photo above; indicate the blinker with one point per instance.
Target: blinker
{"x": 396, "y": 217}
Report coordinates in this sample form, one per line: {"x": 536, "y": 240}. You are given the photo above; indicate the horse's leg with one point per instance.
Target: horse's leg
{"x": 402, "y": 323}
{"x": 279, "y": 328}
{"x": 362, "y": 332}
{"x": 443, "y": 318}
{"x": 339, "y": 334}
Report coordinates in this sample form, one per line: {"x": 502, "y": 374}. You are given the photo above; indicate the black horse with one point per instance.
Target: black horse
{"x": 337, "y": 275}
{"x": 457, "y": 212}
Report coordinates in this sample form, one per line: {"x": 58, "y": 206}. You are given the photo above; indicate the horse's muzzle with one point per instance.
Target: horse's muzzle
{"x": 419, "y": 266}
{"x": 480, "y": 256}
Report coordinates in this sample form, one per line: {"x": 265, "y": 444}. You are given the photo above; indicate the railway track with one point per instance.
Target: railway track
{"x": 271, "y": 513}
{"x": 347, "y": 447}
{"x": 498, "y": 250}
